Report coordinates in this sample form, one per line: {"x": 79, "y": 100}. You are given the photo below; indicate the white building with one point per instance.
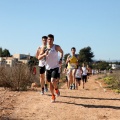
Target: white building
{"x": 2, "y": 61}
{"x": 11, "y": 61}
{"x": 7, "y": 61}
{"x": 22, "y": 58}
{"x": 114, "y": 66}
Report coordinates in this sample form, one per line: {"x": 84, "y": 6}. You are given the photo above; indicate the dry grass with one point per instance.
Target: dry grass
{"x": 16, "y": 78}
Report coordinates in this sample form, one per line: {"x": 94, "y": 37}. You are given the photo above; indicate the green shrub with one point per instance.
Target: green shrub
{"x": 117, "y": 91}
{"x": 109, "y": 80}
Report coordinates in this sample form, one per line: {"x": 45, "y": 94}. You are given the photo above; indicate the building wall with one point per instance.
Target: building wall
{"x": 2, "y": 61}
{"x": 11, "y": 61}
{"x": 16, "y": 56}
{"x": 24, "y": 61}
{"x": 21, "y": 56}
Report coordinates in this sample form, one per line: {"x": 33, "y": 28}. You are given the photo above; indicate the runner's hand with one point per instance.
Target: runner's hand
{"x": 46, "y": 52}
{"x": 60, "y": 62}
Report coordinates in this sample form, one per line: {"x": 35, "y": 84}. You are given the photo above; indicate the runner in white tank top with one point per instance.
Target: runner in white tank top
{"x": 78, "y": 76}
{"x": 84, "y": 74}
{"x": 41, "y": 65}
{"x": 42, "y": 61}
{"x": 84, "y": 70}
{"x": 52, "y": 64}
{"x": 52, "y": 59}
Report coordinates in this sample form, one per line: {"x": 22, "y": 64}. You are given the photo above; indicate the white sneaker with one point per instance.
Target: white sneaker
{"x": 46, "y": 89}
{"x": 42, "y": 92}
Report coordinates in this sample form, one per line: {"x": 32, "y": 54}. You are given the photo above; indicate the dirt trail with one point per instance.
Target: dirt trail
{"x": 91, "y": 103}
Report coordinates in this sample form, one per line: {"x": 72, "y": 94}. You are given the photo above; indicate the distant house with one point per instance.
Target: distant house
{"x": 16, "y": 58}
{"x": 22, "y": 58}
{"x": 10, "y": 61}
{"x": 7, "y": 61}
{"x": 2, "y": 61}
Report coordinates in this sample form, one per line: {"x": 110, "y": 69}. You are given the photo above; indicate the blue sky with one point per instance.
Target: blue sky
{"x": 78, "y": 23}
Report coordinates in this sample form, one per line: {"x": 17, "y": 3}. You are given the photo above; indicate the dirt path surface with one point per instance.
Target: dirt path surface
{"x": 91, "y": 103}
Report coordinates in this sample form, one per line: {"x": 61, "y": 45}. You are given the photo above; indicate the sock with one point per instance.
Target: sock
{"x": 43, "y": 89}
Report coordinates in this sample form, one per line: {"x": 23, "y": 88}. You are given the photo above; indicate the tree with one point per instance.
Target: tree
{"x": 65, "y": 56}
{"x": 86, "y": 55}
{"x": 102, "y": 65}
{"x": 117, "y": 63}
{"x": 33, "y": 61}
{"x": 0, "y": 52}
{"x": 5, "y": 53}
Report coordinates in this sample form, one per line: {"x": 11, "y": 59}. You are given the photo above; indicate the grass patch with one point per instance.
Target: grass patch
{"x": 99, "y": 78}
{"x": 113, "y": 81}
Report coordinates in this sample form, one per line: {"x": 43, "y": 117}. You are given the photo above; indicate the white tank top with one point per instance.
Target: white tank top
{"x": 42, "y": 61}
{"x": 78, "y": 73}
{"x": 84, "y": 71}
{"x": 52, "y": 59}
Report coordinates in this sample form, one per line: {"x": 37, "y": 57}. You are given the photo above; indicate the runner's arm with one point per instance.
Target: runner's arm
{"x": 81, "y": 70}
{"x": 68, "y": 59}
{"x": 42, "y": 55}
{"x": 58, "y": 48}
{"x": 61, "y": 51}
{"x": 38, "y": 52}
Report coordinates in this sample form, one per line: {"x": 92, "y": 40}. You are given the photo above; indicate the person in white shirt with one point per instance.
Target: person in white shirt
{"x": 78, "y": 76}
{"x": 84, "y": 74}
{"x": 40, "y": 51}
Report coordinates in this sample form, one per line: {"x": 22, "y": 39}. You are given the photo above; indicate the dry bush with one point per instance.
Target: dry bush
{"x": 116, "y": 83}
{"x": 17, "y": 78}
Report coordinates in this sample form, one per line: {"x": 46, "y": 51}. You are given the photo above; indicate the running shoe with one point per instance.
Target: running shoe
{"x": 46, "y": 89}
{"x": 73, "y": 86}
{"x": 42, "y": 92}
{"x": 53, "y": 99}
{"x": 57, "y": 92}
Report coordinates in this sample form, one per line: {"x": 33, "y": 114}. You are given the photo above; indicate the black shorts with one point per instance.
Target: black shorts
{"x": 78, "y": 79}
{"x": 42, "y": 70}
{"x": 84, "y": 78}
{"x": 58, "y": 75}
{"x": 52, "y": 73}
{"x": 88, "y": 74}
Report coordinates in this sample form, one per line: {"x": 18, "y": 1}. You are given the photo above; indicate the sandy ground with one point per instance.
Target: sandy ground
{"x": 91, "y": 103}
